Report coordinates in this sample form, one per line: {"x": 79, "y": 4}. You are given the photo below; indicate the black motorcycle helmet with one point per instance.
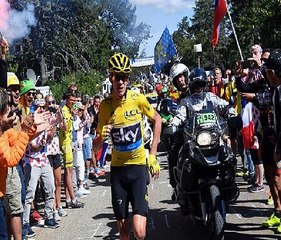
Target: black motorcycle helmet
{"x": 197, "y": 78}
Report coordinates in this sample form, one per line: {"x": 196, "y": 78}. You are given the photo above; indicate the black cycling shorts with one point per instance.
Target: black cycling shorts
{"x": 55, "y": 161}
{"x": 267, "y": 148}
{"x": 128, "y": 185}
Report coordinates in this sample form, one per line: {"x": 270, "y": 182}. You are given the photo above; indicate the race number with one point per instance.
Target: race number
{"x": 206, "y": 118}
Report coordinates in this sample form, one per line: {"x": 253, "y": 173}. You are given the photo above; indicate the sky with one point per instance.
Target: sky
{"x": 160, "y": 14}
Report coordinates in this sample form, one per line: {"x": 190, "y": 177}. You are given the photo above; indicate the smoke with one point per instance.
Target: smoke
{"x": 16, "y": 24}
{"x": 4, "y": 14}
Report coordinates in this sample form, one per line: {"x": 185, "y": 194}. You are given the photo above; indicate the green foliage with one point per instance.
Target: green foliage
{"x": 88, "y": 83}
{"x": 198, "y": 31}
{"x": 255, "y": 22}
{"x": 120, "y": 19}
{"x": 184, "y": 43}
{"x": 74, "y": 38}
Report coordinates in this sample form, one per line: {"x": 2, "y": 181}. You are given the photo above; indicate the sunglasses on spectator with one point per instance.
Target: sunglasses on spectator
{"x": 52, "y": 102}
{"x": 119, "y": 77}
{"x": 80, "y": 110}
{"x": 31, "y": 93}
{"x": 73, "y": 90}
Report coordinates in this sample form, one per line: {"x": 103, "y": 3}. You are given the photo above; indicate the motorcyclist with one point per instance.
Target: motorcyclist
{"x": 179, "y": 73}
{"x": 197, "y": 101}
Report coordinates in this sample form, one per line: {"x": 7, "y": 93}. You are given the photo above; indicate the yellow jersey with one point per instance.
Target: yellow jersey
{"x": 231, "y": 90}
{"x": 65, "y": 137}
{"x": 127, "y": 132}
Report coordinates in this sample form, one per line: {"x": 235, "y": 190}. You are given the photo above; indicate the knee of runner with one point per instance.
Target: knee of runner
{"x": 140, "y": 233}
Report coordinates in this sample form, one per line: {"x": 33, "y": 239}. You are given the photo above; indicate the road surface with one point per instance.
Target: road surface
{"x": 96, "y": 220}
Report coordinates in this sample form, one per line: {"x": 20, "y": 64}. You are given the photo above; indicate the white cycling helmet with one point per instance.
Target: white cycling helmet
{"x": 177, "y": 69}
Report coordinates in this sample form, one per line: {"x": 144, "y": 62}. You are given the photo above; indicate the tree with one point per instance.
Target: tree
{"x": 184, "y": 42}
{"x": 198, "y": 31}
{"x": 256, "y": 22}
{"x": 68, "y": 41}
{"x": 93, "y": 79}
{"x": 77, "y": 36}
{"x": 120, "y": 18}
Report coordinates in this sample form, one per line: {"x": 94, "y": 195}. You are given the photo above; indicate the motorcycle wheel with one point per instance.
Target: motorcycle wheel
{"x": 217, "y": 213}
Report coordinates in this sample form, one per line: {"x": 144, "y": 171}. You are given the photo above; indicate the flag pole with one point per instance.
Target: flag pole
{"x": 234, "y": 32}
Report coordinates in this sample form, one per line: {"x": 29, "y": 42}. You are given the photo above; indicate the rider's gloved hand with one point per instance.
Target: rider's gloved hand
{"x": 106, "y": 132}
{"x": 153, "y": 166}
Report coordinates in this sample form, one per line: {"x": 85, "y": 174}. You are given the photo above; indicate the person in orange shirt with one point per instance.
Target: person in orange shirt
{"x": 12, "y": 147}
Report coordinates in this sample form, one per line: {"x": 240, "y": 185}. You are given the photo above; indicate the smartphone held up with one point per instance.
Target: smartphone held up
{"x": 245, "y": 64}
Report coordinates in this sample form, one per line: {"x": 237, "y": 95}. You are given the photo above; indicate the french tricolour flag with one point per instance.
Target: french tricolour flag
{"x": 220, "y": 11}
{"x": 248, "y": 125}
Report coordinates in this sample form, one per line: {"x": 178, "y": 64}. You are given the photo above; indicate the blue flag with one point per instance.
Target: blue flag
{"x": 164, "y": 51}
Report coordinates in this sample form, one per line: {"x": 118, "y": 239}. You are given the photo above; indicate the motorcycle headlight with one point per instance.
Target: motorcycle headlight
{"x": 204, "y": 139}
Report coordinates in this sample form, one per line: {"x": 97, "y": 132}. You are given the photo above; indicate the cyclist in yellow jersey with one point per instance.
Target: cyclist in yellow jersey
{"x": 121, "y": 118}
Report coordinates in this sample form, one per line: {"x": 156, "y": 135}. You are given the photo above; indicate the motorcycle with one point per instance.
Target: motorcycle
{"x": 167, "y": 109}
{"x": 205, "y": 172}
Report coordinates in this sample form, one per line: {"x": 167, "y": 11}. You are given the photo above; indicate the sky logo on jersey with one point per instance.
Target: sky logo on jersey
{"x": 127, "y": 138}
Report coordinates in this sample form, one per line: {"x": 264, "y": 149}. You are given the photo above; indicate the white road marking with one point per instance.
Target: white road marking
{"x": 265, "y": 206}
{"x": 97, "y": 227}
{"x": 237, "y": 214}
{"x": 100, "y": 193}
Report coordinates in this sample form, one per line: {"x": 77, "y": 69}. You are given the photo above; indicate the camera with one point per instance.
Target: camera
{"x": 52, "y": 109}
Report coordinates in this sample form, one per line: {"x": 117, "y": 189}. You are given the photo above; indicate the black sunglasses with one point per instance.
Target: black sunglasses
{"x": 31, "y": 93}
{"x": 122, "y": 77}
{"x": 52, "y": 102}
